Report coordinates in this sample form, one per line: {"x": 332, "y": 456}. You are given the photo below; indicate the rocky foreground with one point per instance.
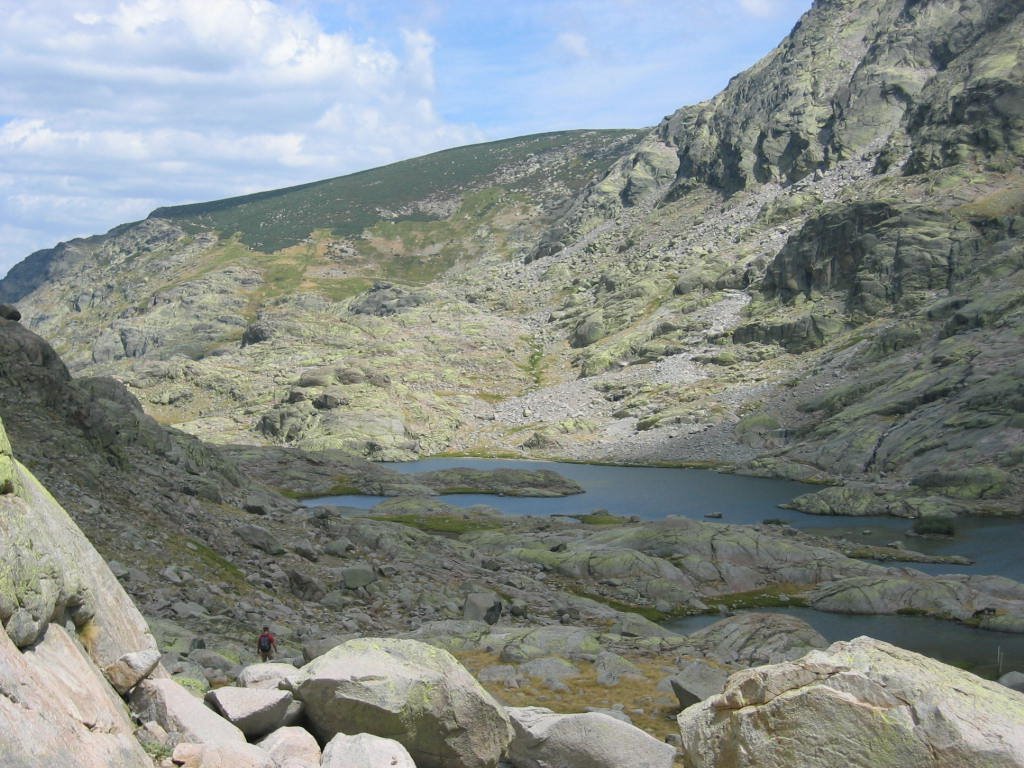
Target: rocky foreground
{"x": 83, "y": 684}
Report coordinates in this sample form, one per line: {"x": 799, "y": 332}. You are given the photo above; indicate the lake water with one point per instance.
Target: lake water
{"x": 653, "y": 493}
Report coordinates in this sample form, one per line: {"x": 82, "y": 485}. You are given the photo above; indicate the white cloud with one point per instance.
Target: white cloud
{"x": 574, "y": 44}
{"x": 116, "y": 108}
{"x": 761, "y": 8}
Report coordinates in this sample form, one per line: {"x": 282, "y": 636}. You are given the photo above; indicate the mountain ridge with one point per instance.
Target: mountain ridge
{"x": 705, "y": 292}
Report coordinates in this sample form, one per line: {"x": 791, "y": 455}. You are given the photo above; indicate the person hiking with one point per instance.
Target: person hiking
{"x": 266, "y": 645}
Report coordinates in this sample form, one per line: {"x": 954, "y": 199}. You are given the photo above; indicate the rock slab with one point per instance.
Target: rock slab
{"x": 178, "y": 711}
{"x": 254, "y": 711}
{"x": 592, "y": 740}
{"x": 292, "y": 747}
{"x": 858, "y": 703}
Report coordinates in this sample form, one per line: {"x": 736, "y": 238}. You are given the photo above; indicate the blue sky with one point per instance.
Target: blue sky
{"x": 110, "y": 108}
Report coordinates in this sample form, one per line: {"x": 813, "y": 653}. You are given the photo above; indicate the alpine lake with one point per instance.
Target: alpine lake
{"x": 653, "y": 493}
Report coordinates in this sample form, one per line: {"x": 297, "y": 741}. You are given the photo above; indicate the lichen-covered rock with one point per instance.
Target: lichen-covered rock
{"x": 564, "y": 641}
{"x": 756, "y": 638}
{"x": 859, "y": 703}
{"x": 49, "y": 572}
{"x": 407, "y": 691}
{"x": 9, "y": 481}
{"x": 873, "y": 254}
{"x": 259, "y": 537}
{"x": 590, "y": 740}
{"x": 951, "y": 596}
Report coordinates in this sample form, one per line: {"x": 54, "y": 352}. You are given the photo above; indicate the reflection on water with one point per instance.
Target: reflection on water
{"x": 947, "y": 641}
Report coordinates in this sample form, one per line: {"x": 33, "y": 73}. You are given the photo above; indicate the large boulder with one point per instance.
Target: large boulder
{"x": 261, "y": 538}
{"x": 482, "y": 606}
{"x": 859, "y": 703}
{"x": 254, "y": 711}
{"x": 178, "y": 711}
{"x": 697, "y": 680}
{"x": 56, "y": 708}
{"x": 233, "y": 755}
{"x": 265, "y": 675}
{"x": 52, "y": 573}
{"x": 365, "y": 750}
{"x": 292, "y": 747}
{"x": 561, "y": 640}
{"x": 590, "y": 740}
{"x": 407, "y": 691}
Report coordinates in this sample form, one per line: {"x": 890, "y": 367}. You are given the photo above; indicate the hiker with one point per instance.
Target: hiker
{"x": 266, "y": 645}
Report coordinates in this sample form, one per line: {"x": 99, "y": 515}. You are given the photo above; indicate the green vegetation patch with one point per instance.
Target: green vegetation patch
{"x": 448, "y": 525}
{"x": 348, "y": 205}
{"x": 339, "y": 289}
{"x": 217, "y": 564}
{"x": 934, "y": 526}
{"x": 774, "y": 596}
{"x": 601, "y": 517}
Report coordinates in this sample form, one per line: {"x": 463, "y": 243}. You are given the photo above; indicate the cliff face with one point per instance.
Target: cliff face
{"x": 868, "y": 199}
{"x": 938, "y": 79}
{"x": 815, "y": 273}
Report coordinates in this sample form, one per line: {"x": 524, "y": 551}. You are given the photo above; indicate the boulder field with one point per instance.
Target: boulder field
{"x": 81, "y": 686}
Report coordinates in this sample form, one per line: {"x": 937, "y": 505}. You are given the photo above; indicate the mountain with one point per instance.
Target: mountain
{"x": 815, "y": 274}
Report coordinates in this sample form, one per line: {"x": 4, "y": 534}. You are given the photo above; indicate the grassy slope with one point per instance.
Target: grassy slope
{"x": 271, "y": 221}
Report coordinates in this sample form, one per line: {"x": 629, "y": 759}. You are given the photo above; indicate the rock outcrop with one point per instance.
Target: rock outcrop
{"x": 861, "y": 702}
{"x": 590, "y": 740}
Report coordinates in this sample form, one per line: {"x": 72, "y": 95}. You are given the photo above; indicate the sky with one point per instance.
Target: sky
{"x": 111, "y": 108}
